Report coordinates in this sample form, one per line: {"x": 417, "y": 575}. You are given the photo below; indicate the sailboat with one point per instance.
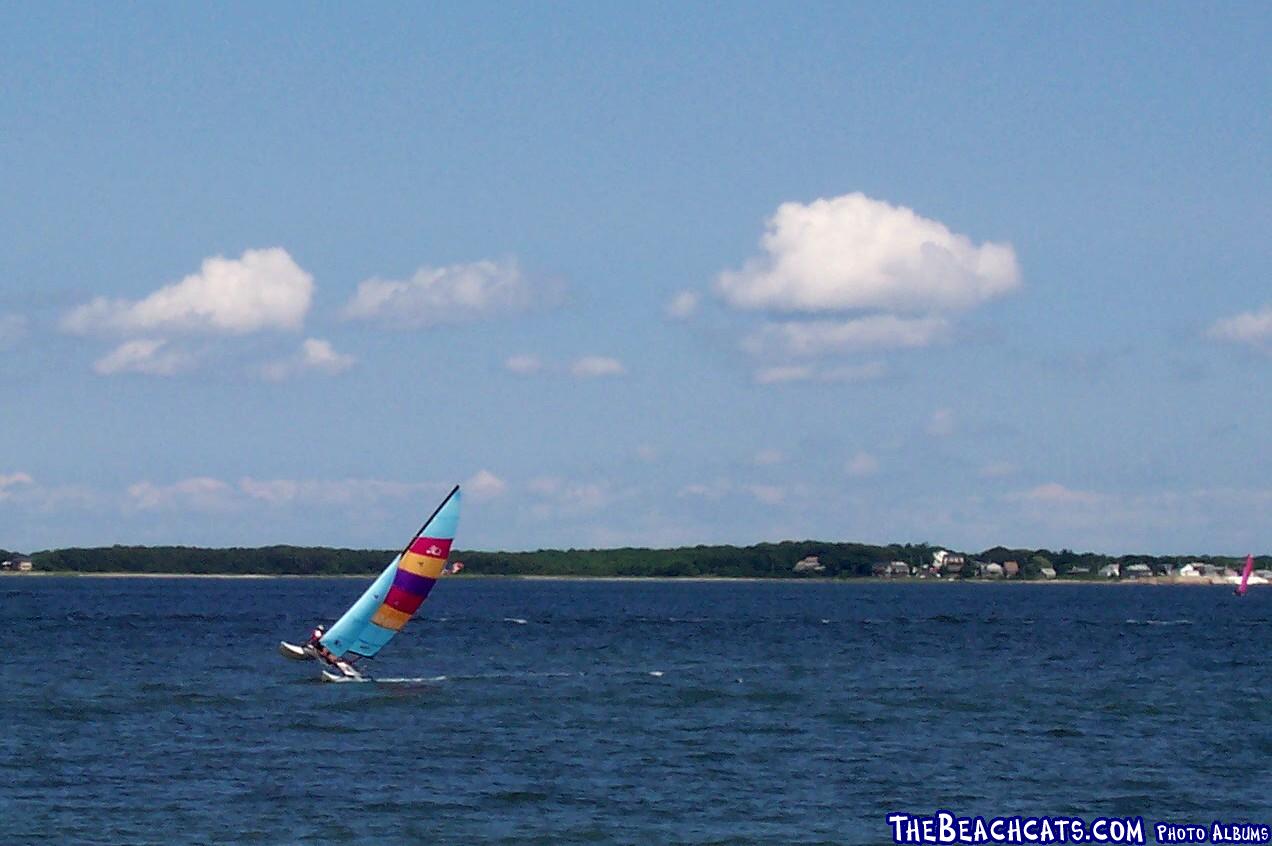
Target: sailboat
{"x": 1245, "y": 576}
{"x": 386, "y": 606}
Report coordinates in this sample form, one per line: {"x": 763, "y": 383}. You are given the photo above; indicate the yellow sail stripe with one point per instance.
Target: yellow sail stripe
{"x": 390, "y": 618}
{"x": 422, "y": 565}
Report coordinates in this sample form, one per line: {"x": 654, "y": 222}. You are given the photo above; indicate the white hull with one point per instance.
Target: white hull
{"x": 294, "y": 652}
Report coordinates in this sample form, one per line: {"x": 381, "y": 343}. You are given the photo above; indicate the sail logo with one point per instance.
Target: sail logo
{"x": 434, "y": 551}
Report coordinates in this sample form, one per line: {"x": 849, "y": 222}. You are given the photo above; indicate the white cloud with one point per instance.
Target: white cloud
{"x": 815, "y": 338}
{"x": 848, "y": 373}
{"x": 998, "y": 470}
{"x": 1054, "y": 493}
{"x": 314, "y": 355}
{"x": 767, "y": 494}
{"x": 682, "y": 305}
{"x": 341, "y": 492}
{"x": 435, "y": 295}
{"x": 853, "y": 252}
{"x": 144, "y": 355}
{"x": 200, "y": 493}
{"x": 13, "y": 480}
{"x": 13, "y": 328}
{"x": 595, "y": 365}
{"x": 707, "y": 490}
{"x": 523, "y": 364}
{"x": 769, "y": 457}
{"x": 264, "y": 289}
{"x": 941, "y": 423}
{"x": 566, "y": 498}
{"x": 485, "y": 485}
{"x": 862, "y": 464}
{"x": 1252, "y": 327}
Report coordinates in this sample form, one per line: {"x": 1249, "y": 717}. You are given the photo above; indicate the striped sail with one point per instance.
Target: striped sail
{"x": 398, "y": 592}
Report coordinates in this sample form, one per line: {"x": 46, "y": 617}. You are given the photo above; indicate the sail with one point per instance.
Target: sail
{"x": 399, "y": 590}
{"x": 1245, "y": 575}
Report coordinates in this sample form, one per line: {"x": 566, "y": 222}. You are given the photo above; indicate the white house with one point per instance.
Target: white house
{"x": 809, "y": 564}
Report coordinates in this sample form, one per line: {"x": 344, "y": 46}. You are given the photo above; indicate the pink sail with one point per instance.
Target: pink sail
{"x": 1245, "y": 575}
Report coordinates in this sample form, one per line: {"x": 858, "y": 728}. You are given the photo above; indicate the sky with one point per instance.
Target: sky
{"x": 637, "y": 274}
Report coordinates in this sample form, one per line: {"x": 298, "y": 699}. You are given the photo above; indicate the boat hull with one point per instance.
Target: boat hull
{"x": 294, "y": 652}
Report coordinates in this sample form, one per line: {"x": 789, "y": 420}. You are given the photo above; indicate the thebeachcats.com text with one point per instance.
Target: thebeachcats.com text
{"x": 946, "y": 827}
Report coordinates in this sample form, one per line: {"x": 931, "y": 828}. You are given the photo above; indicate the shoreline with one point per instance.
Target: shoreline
{"x": 1155, "y": 581}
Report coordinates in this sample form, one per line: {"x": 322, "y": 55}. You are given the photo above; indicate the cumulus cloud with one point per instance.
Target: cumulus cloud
{"x": 682, "y": 305}
{"x": 523, "y": 364}
{"x": 847, "y": 373}
{"x": 315, "y": 355}
{"x": 941, "y": 423}
{"x": 434, "y": 295}
{"x": 485, "y": 485}
{"x": 767, "y": 494}
{"x": 591, "y": 366}
{"x": 862, "y": 464}
{"x": 1253, "y": 328}
{"x": 1054, "y": 493}
{"x": 200, "y": 493}
{"x": 9, "y": 481}
{"x": 263, "y": 289}
{"x": 815, "y": 338}
{"x": 559, "y": 497}
{"x": 856, "y": 253}
{"x": 998, "y": 470}
{"x": 341, "y": 492}
{"x": 144, "y": 355}
{"x": 768, "y": 457}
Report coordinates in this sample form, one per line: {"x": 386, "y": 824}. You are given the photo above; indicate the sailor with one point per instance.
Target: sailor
{"x": 316, "y": 635}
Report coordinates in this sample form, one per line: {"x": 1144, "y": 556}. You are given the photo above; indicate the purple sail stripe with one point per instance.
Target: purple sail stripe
{"x": 419, "y": 585}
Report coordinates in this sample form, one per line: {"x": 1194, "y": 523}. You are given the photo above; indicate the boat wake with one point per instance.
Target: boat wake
{"x": 369, "y": 680}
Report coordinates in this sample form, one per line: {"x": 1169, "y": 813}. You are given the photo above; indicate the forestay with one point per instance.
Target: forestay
{"x": 398, "y": 592}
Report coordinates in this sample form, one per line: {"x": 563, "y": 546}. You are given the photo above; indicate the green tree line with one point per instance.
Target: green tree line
{"x": 765, "y": 560}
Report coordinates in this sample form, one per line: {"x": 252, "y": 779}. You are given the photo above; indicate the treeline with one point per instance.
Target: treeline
{"x": 766, "y": 560}
{"x": 771, "y": 560}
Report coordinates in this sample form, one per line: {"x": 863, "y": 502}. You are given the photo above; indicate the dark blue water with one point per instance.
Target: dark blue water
{"x": 158, "y": 712}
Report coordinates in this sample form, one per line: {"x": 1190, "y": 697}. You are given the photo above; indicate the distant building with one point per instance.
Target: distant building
{"x": 1190, "y": 570}
{"x": 1011, "y": 569}
{"x": 1111, "y": 571}
{"x": 1138, "y": 571}
{"x": 17, "y": 565}
{"x": 898, "y": 568}
{"x": 948, "y": 561}
{"x": 1047, "y": 572}
{"x": 992, "y": 570}
{"x": 809, "y": 564}
{"x": 1079, "y": 571}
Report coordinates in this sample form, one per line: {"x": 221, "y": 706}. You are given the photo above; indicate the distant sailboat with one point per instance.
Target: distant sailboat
{"x": 1245, "y": 576}
{"x": 386, "y": 606}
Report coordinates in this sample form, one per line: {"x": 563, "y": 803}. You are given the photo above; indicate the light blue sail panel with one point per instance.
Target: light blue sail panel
{"x": 446, "y": 521}
{"x": 350, "y": 631}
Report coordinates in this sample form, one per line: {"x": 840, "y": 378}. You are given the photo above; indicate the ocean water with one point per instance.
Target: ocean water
{"x": 157, "y": 711}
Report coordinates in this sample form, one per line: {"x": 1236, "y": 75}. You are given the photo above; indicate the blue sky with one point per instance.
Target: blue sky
{"x": 637, "y": 274}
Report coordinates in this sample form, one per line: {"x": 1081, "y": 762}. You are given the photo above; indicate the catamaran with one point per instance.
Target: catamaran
{"x": 1245, "y": 576}
{"x": 386, "y": 606}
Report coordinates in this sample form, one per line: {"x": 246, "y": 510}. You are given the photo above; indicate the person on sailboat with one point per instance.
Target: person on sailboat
{"x": 316, "y": 635}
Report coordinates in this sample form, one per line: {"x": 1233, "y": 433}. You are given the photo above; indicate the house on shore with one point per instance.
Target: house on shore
{"x": 21, "y": 564}
{"x": 809, "y": 566}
